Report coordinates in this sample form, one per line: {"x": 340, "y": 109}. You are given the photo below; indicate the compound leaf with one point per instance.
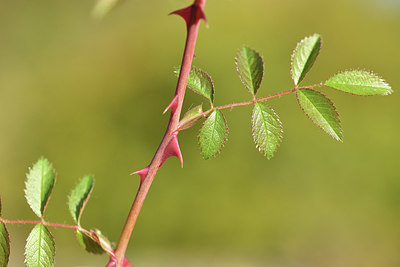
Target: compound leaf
{"x": 321, "y": 111}
{"x": 250, "y": 67}
{"x": 39, "y": 184}
{"x": 40, "y": 247}
{"x": 213, "y": 134}
{"x": 4, "y": 245}
{"x": 266, "y": 128}
{"x": 359, "y": 82}
{"x": 88, "y": 243}
{"x": 304, "y": 56}
{"x": 79, "y": 196}
{"x": 200, "y": 82}
{"x": 191, "y": 117}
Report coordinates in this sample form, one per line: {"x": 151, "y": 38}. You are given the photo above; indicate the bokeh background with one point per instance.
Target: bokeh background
{"x": 89, "y": 96}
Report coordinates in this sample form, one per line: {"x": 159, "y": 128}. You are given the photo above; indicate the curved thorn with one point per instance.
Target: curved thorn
{"x": 172, "y": 105}
{"x": 142, "y": 173}
{"x": 201, "y": 15}
{"x": 187, "y": 12}
{"x": 172, "y": 149}
{"x": 184, "y": 13}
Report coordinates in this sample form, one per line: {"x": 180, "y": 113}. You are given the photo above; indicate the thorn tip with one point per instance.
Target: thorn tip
{"x": 142, "y": 173}
{"x": 172, "y": 149}
{"x": 172, "y": 105}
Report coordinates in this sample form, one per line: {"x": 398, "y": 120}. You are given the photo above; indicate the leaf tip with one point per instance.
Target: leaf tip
{"x": 359, "y": 82}
{"x": 79, "y": 196}
{"x": 304, "y": 56}
{"x": 250, "y": 68}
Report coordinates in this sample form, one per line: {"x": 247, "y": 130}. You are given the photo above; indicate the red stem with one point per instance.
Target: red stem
{"x": 193, "y": 29}
{"x": 55, "y": 225}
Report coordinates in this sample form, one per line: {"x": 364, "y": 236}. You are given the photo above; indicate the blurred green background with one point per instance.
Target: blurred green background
{"x": 89, "y": 96}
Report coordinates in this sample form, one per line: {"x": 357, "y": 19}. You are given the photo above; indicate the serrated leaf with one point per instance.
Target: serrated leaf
{"x": 190, "y": 119}
{"x": 200, "y": 82}
{"x": 38, "y": 185}
{"x": 40, "y": 247}
{"x": 88, "y": 244}
{"x": 4, "y": 245}
{"x": 321, "y": 111}
{"x": 250, "y": 67}
{"x": 304, "y": 56}
{"x": 79, "y": 196}
{"x": 213, "y": 134}
{"x": 359, "y": 82}
{"x": 266, "y": 128}
{"x": 103, "y": 7}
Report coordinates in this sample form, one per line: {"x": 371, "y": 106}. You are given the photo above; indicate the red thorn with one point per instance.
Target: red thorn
{"x": 113, "y": 262}
{"x": 201, "y": 15}
{"x": 172, "y": 105}
{"x": 142, "y": 173}
{"x": 172, "y": 149}
{"x": 186, "y": 14}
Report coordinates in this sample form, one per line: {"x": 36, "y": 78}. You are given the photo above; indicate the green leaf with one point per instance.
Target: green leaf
{"x": 79, "y": 196}
{"x": 213, "y": 134}
{"x": 190, "y": 118}
{"x": 4, "y": 245}
{"x": 321, "y": 111}
{"x": 304, "y": 56}
{"x": 267, "y": 129}
{"x": 103, "y": 7}
{"x": 40, "y": 247}
{"x": 88, "y": 244}
{"x": 200, "y": 82}
{"x": 359, "y": 82}
{"x": 103, "y": 241}
{"x": 38, "y": 185}
{"x": 250, "y": 67}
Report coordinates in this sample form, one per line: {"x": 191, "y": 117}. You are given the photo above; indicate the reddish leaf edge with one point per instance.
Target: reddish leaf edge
{"x": 337, "y": 113}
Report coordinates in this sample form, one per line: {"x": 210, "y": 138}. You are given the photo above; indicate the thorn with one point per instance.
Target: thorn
{"x": 184, "y": 13}
{"x": 201, "y": 15}
{"x": 172, "y": 105}
{"x": 113, "y": 262}
{"x": 172, "y": 149}
{"x": 142, "y": 173}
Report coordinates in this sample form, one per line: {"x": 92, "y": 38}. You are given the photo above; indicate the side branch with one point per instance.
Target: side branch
{"x": 247, "y": 103}
{"x": 55, "y": 225}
